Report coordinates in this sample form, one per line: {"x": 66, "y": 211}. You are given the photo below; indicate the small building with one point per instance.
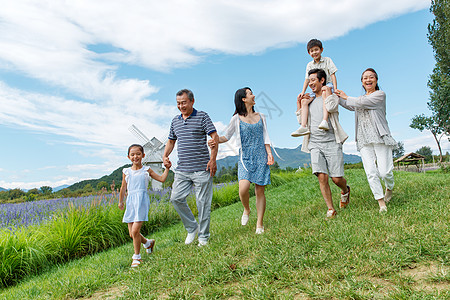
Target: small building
{"x": 407, "y": 161}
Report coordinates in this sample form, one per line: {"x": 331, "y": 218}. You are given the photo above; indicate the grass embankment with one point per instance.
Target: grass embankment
{"x": 361, "y": 254}
{"x": 75, "y": 231}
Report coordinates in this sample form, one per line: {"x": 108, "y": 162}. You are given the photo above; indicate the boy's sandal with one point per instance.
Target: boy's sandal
{"x": 331, "y": 213}
{"x": 136, "y": 263}
{"x": 345, "y": 198}
{"x": 149, "y": 249}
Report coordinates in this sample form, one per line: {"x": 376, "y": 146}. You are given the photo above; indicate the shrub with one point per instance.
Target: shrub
{"x": 225, "y": 195}
{"x": 20, "y": 254}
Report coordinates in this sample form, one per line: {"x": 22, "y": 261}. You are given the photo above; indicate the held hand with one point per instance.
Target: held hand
{"x": 167, "y": 162}
{"x": 270, "y": 160}
{"x": 341, "y": 94}
{"x": 299, "y": 97}
{"x": 326, "y": 88}
{"x": 211, "y": 167}
{"x": 303, "y": 99}
{"x": 121, "y": 205}
{"x": 212, "y": 143}
{"x": 306, "y": 100}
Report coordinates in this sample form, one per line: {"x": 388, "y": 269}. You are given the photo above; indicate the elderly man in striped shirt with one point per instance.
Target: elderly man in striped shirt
{"x": 195, "y": 166}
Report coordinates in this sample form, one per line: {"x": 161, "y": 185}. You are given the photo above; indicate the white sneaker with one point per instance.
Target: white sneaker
{"x": 244, "y": 219}
{"x": 202, "y": 243}
{"x": 324, "y": 125}
{"x": 383, "y": 209}
{"x": 301, "y": 131}
{"x": 191, "y": 237}
{"x": 259, "y": 230}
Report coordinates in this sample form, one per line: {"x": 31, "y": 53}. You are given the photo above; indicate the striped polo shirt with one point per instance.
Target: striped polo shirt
{"x": 193, "y": 154}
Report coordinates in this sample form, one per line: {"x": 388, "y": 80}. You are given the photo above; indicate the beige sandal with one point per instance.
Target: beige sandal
{"x": 136, "y": 263}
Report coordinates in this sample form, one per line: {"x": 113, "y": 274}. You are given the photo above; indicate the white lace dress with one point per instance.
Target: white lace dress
{"x": 367, "y": 132}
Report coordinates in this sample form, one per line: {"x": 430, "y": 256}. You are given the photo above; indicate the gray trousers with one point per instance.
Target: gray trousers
{"x": 203, "y": 188}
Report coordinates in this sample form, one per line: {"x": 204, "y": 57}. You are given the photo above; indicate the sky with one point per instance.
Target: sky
{"x": 75, "y": 75}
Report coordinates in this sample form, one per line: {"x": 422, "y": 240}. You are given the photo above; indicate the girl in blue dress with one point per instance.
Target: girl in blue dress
{"x": 255, "y": 154}
{"x": 135, "y": 180}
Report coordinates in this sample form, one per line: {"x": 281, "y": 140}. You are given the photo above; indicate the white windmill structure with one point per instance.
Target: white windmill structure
{"x": 154, "y": 150}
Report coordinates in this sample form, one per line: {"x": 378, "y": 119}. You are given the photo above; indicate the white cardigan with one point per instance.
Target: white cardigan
{"x": 233, "y": 127}
{"x": 376, "y": 104}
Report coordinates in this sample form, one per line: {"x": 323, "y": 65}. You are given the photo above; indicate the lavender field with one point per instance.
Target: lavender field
{"x": 19, "y": 215}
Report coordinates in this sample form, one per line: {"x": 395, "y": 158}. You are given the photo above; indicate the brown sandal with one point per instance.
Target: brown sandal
{"x": 149, "y": 249}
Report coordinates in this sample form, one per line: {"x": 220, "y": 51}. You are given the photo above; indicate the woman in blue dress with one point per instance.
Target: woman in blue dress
{"x": 255, "y": 154}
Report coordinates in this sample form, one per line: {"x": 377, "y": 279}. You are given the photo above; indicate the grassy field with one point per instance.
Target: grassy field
{"x": 361, "y": 254}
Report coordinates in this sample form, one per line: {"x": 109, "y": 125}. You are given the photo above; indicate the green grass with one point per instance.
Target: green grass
{"x": 80, "y": 231}
{"x": 358, "y": 255}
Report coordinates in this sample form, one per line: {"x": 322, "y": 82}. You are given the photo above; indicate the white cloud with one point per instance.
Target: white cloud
{"x": 410, "y": 145}
{"x": 50, "y": 41}
{"x": 350, "y": 147}
{"x": 37, "y": 184}
{"x": 98, "y": 123}
{"x": 426, "y": 139}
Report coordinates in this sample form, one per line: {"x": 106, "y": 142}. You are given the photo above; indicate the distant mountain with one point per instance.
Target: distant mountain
{"x": 2, "y": 189}
{"x": 58, "y": 188}
{"x": 115, "y": 176}
{"x": 291, "y": 157}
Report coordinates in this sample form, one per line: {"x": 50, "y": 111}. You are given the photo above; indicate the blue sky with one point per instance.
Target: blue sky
{"x": 75, "y": 76}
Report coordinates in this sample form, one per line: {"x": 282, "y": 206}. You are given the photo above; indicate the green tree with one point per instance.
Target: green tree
{"x": 400, "y": 151}
{"x": 30, "y": 197}
{"x": 65, "y": 192}
{"x": 46, "y": 190}
{"x": 15, "y": 193}
{"x": 275, "y": 167}
{"x": 88, "y": 188}
{"x": 34, "y": 191}
{"x": 426, "y": 151}
{"x": 421, "y": 123}
{"x": 102, "y": 184}
{"x": 439, "y": 83}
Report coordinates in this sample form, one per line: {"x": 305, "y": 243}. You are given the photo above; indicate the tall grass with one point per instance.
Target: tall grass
{"x": 21, "y": 253}
{"x": 81, "y": 229}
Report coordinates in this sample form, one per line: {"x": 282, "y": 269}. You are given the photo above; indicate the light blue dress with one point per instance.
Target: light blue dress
{"x": 138, "y": 201}
{"x": 254, "y": 154}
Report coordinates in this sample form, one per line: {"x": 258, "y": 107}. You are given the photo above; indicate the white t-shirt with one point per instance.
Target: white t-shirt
{"x": 316, "y": 116}
{"x": 325, "y": 64}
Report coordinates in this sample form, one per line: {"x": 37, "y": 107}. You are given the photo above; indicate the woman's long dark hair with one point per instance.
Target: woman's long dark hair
{"x": 240, "y": 105}
{"x": 376, "y": 76}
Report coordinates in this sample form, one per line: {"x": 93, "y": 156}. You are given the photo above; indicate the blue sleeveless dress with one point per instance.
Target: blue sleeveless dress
{"x": 254, "y": 154}
{"x": 138, "y": 201}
